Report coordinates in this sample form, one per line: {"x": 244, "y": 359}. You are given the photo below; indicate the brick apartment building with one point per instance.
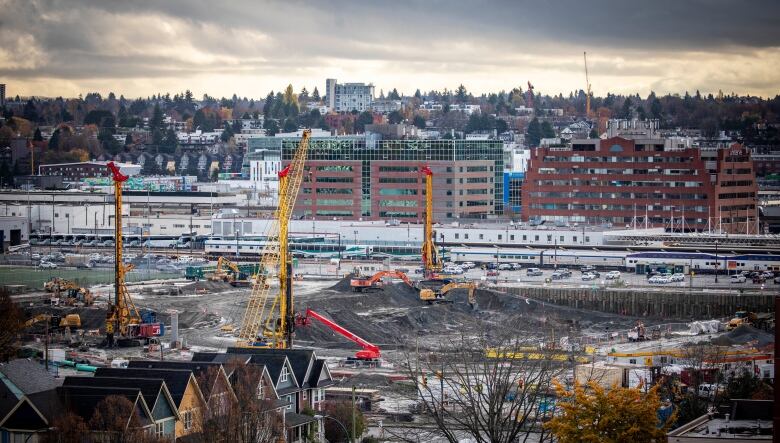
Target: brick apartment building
{"x": 622, "y": 181}
{"x": 75, "y": 172}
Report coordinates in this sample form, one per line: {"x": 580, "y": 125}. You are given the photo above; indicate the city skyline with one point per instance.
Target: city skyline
{"x": 66, "y": 48}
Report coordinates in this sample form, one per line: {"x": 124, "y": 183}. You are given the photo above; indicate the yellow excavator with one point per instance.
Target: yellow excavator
{"x": 72, "y": 291}
{"x": 222, "y": 274}
{"x": 69, "y": 321}
{"x": 438, "y": 296}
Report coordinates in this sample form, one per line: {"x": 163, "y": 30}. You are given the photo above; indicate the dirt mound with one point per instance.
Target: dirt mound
{"x": 343, "y": 284}
{"x": 743, "y": 335}
{"x": 364, "y": 380}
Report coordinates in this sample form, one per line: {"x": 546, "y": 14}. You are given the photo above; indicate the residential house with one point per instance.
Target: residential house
{"x": 155, "y": 393}
{"x": 26, "y": 391}
{"x": 83, "y": 401}
{"x": 184, "y": 389}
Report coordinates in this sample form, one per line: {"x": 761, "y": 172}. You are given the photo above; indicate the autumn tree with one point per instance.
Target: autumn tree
{"x": 591, "y": 413}
{"x": 117, "y": 420}
{"x": 67, "y": 428}
{"x": 10, "y": 325}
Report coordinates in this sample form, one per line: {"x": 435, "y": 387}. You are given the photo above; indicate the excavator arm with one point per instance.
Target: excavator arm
{"x": 370, "y": 351}
{"x": 431, "y": 296}
{"x": 360, "y": 283}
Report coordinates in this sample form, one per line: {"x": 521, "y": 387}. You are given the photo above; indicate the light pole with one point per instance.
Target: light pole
{"x": 237, "y": 253}
{"x": 717, "y": 261}
{"x": 343, "y": 428}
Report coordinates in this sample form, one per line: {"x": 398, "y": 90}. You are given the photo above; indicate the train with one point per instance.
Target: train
{"x": 639, "y": 262}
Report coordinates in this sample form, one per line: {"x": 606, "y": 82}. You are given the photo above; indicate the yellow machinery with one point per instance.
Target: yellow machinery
{"x": 73, "y": 293}
{"x": 58, "y": 284}
{"x": 221, "y": 274}
{"x": 273, "y": 326}
{"x": 430, "y": 254}
{"x": 431, "y": 296}
{"x": 122, "y": 314}
{"x": 587, "y": 83}
{"x": 69, "y": 321}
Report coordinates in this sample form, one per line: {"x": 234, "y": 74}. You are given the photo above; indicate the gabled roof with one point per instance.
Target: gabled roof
{"x": 28, "y": 376}
{"x": 83, "y": 400}
{"x": 176, "y": 380}
{"x": 320, "y": 371}
{"x": 150, "y": 388}
{"x": 198, "y": 369}
{"x": 301, "y": 360}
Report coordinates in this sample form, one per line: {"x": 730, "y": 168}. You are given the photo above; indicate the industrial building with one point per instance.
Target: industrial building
{"x": 75, "y": 172}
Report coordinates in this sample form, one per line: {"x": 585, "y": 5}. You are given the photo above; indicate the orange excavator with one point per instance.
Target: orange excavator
{"x": 370, "y": 351}
{"x": 360, "y": 284}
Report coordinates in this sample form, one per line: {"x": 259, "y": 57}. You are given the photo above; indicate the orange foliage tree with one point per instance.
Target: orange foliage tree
{"x": 593, "y": 414}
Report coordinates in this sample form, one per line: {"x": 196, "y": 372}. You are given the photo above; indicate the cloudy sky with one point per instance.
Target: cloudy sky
{"x": 248, "y": 47}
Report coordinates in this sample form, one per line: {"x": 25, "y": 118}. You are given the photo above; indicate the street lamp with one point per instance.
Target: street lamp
{"x": 343, "y": 428}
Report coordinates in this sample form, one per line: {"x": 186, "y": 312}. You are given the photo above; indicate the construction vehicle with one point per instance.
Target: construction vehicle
{"x": 57, "y": 284}
{"x": 69, "y": 321}
{"x": 360, "y": 284}
{"x": 124, "y": 325}
{"x": 272, "y": 327}
{"x": 370, "y": 351}
{"x": 587, "y": 84}
{"x": 439, "y": 296}
{"x": 430, "y": 254}
{"x": 73, "y": 292}
{"x": 741, "y": 318}
{"x": 229, "y": 272}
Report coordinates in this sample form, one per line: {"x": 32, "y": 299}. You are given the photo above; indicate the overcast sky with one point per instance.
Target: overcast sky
{"x": 249, "y": 47}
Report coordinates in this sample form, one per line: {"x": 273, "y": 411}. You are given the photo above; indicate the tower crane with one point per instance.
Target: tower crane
{"x": 122, "y": 316}
{"x": 587, "y": 83}
{"x": 430, "y": 254}
{"x": 273, "y": 327}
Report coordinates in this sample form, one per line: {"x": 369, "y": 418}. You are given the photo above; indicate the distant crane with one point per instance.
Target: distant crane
{"x": 530, "y": 96}
{"x": 587, "y": 83}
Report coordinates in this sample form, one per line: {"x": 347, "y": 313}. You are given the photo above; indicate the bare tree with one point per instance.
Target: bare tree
{"x": 116, "y": 420}
{"x": 10, "y": 325}
{"x": 488, "y": 388}
{"x": 248, "y": 419}
{"x": 67, "y": 428}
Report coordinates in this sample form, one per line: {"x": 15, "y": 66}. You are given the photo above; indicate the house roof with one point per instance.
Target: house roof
{"x": 197, "y": 367}
{"x": 83, "y": 400}
{"x": 300, "y": 360}
{"x": 316, "y": 372}
{"x": 175, "y": 379}
{"x": 28, "y": 376}
{"x": 292, "y": 420}
{"x": 150, "y": 388}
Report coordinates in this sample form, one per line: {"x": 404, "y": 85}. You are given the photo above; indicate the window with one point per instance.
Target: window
{"x": 304, "y": 394}
{"x": 481, "y": 237}
{"x": 632, "y": 361}
{"x": 159, "y": 429}
{"x": 499, "y": 236}
{"x": 283, "y": 375}
{"x": 290, "y": 402}
{"x": 188, "y": 419}
{"x": 457, "y": 236}
{"x": 260, "y": 390}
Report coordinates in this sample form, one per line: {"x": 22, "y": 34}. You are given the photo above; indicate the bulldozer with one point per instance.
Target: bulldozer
{"x": 741, "y": 318}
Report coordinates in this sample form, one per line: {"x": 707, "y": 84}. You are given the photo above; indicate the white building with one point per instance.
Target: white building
{"x": 386, "y": 106}
{"x": 347, "y": 97}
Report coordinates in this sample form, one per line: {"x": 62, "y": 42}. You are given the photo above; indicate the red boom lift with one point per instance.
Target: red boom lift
{"x": 370, "y": 351}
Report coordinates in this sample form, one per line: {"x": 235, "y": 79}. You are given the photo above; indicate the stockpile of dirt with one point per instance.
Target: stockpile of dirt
{"x": 745, "y": 334}
{"x": 203, "y": 286}
{"x": 365, "y": 380}
{"x": 343, "y": 284}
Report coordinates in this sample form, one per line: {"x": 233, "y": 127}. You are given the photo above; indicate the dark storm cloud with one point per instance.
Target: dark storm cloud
{"x": 93, "y": 39}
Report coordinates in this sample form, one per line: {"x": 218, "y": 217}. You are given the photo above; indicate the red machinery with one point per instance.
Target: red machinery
{"x": 370, "y": 351}
{"x": 358, "y": 284}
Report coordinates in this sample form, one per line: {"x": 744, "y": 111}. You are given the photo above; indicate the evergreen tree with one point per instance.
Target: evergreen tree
{"x": 315, "y": 95}
{"x": 54, "y": 141}
{"x": 394, "y": 95}
{"x": 533, "y": 133}
{"x": 290, "y": 125}
{"x": 156, "y": 121}
{"x": 128, "y": 140}
{"x": 417, "y": 94}
{"x": 365, "y": 118}
{"x": 271, "y": 127}
{"x": 547, "y": 130}
{"x": 170, "y": 142}
{"x": 395, "y": 117}
{"x": 625, "y": 111}
{"x": 461, "y": 94}
{"x": 419, "y": 120}
{"x": 269, "y": 104}
{"x": 38, "y": 137}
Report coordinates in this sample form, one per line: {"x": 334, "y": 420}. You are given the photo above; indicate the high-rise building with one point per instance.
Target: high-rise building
{"x": 2, "y": 94}
{"x": 348, "y": 97}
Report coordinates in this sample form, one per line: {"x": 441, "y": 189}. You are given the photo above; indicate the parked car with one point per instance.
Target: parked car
{"x": 504, "y": 267}
{"x": 469, "y": 265}
{"x": 45, "y": 242}
{"x": 35, "y": 256}
{"x": 659, "y": 280}
{"x": 777, "y": 280}
{"x": 516, "y": 266}
{"x": 492, "y": 273}
{"x": 108, "y": 243}
{"x": 612, "y": 275}
{"x": 588, "y": 276}
{"x": 92, "y": 243}
{"x": 491, "y": 265}
{"x": 48, "y": 265}
{"x": 587, "y": 268}
{"x": 559, "y": 275}
{"x": 759, "y": 279}
{"x": 533, "y": 272}
{"x": 739, "y": 278}
{"x": 768, "y": 274}
{"x": 678, "y": 277}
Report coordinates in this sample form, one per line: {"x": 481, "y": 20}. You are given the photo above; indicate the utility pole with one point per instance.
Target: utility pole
{"x": 353, "y": 414}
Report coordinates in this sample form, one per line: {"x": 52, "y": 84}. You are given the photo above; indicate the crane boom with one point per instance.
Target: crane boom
{"x": 430, "y": 255}
{"x": 258, "y": 322}
{"x": 361, "y": 283}
{"x": 370, "y": 351}
{"x": 587, "y": 84}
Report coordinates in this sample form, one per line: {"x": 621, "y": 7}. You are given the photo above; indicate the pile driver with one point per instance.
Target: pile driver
{"x": 274, "y": 327}
{"x": 430, "y": 254}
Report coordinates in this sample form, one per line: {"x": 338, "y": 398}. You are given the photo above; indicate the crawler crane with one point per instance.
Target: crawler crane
{"x": 273, "y": 327}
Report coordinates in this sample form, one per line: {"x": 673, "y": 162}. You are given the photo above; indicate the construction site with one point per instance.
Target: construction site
{"x": 366, "y": 319}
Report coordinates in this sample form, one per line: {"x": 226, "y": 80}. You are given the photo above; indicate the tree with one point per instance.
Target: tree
{"x": 30, "y": 112}
{"x": 394, "y": 95}
{"x": 157, "y": 118}
{"x": 626, "y": 110}
{"x": 395, "y": 117}
{"x": 128, "y": 140}
{"x": 533, "y": 133}
{"x": 67, "y": 428}
{"x": 365, "y": 118}
{"x": 38, "y": 137}
{"x": 10, "y": 325}
{"x": 419, "y": 121}
{"x": 343, "y": 412}
{"x": 461, "y": 94}
{"x": 271, "y": 127}
{"x": 170, "y": 142}
{"x": 116, "y": 416}
{"x": 547, "y": 130}
{"x": 315, "y": 95}
{"x": 614, "y": 416}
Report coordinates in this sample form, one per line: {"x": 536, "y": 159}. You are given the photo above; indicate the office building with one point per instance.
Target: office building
{"x": 348, "y": 97}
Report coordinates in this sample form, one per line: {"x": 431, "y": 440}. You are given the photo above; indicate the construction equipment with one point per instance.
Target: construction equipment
{"x": 72, "y": 291}
{"x": 273, "y": 327}
{"x": 370, "y": 351}
{"x": 587, "y": 89}
{"x": 530, "y": 96}
{"x": 741, "y": 318}
{"x": 69, "y": 321}
{"x": 360, "y": 284}
{"x": 228, "y": 272}
{"x": 432, "y": 296}
{"x": 123, "y": 321}
{"x": 430, "y": 254}
{"x": 57, "y": 284}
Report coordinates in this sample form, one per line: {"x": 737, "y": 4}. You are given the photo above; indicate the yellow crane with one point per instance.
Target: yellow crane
{"x": 430, "y": 254}
{"x": 587, "y": 83}
{"x": 273, "y": 326}
{"x": 122, "y": 313}
{"x": 431, "y": 296}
